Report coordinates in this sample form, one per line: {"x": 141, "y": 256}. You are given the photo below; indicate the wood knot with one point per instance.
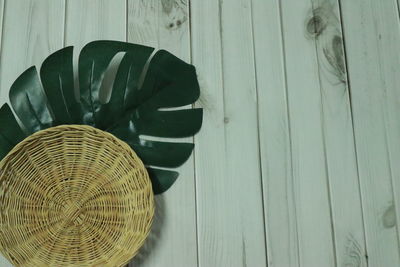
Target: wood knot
{"x": 176, "y": 24}
{"x": 353, "y": 252}
{"x": 226, "y": 120}
{"x": 389, "y": 217}
{"x": 334, "y": 54}
{"x": 174, "y": 13}
{"x": 316, "y": 25}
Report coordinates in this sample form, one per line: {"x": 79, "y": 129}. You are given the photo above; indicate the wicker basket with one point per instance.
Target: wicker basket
{"x": 73, "y": 196}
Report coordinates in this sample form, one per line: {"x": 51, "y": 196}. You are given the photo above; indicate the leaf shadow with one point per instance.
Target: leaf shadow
{"x": 155, "y": 234}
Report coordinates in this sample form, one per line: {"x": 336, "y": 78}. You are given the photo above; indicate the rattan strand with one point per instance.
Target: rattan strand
{"x": 73, "y": 195}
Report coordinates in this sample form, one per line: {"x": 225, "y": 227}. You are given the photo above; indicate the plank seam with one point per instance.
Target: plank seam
{"x": 258, "y": 132}
{"x": 289, "y": 129}
{"x": 2, "y": 29}
{"x": 65, "y": 22}
{"x": 392, "y": 183}
{"x": 126, "y": 20}
{"x": 328, "y": 182}
{"x": 392, "y": 179}
{"x": 398, "y": 9}
{"x": 194, "y": 141}
{"x": 2, "y": 25}
{"x": 353, "y": 128}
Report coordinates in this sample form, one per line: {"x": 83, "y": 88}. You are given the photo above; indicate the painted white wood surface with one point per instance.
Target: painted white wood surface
{"x": 372, "y": 46}
{"x": 311, "y": 194}
{"x": 173, "y": 242}
{"x": 338, "y": 133}
{"x": 320, "y": 32}
{"x": 275, "y": 146}
{"x": 1, "y": 19}
{"x": 299, "y": 148}
{"x": 229, "y": 192}
{"x": 94, "y": 20}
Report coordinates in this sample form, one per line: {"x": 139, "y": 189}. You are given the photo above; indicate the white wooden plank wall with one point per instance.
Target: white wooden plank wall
{"x": 322, "y": 143}
{"x": 275, "y": 146}
{"x": 1, "y": 18}
{"x": 297, "y": 161}
{"x": 374, "y": 77}
{"x": 338, "y": 134}
{"x": 229, "y": 192}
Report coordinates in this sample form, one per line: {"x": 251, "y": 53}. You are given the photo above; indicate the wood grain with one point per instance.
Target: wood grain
{"x": 229, "y": 195}
{"x": 372, "y": 43}
{"x": 275, "y": 146}
{"x": 31, "y": 31}
{"x": 309, "y": 163}
{"x": 94, "y": 20}
{"x": 1, "y": 20}
{"x": 323, "y": 28}
{"x": 164, "y": 24}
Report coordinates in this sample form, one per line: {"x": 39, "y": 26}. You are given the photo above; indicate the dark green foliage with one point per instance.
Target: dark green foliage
{"x": 136, "y": 107}
{"x": 10, "y": 132}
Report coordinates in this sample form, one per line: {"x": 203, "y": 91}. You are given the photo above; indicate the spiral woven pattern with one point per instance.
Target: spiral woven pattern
{"x": 73, "y": 196}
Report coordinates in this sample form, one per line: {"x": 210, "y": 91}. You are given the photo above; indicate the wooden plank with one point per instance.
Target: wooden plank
{"x": 275, "y": 148}
{"x": 161, "y": 24}
{"x": 1, "y": 20}
{"x": 94, "y": 20}
{"x": 27, "y": 39}
{"x": 318, "y": 110}
{"x": 165, "y": 24}
{"x": 323, "y": 27}
{"x": 91, "y": 20}
{"x": 229, "y": 197}
{"x": 372, "y": 44}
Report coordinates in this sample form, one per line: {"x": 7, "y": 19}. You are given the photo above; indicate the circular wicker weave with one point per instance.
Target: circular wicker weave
{"x": 73, "y": 196}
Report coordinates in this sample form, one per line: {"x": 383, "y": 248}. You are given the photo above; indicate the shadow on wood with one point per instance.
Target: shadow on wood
{"x": 155, "y": 234}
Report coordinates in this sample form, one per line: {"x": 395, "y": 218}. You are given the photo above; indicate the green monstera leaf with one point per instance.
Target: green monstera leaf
{"x": 146, "y": 86}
